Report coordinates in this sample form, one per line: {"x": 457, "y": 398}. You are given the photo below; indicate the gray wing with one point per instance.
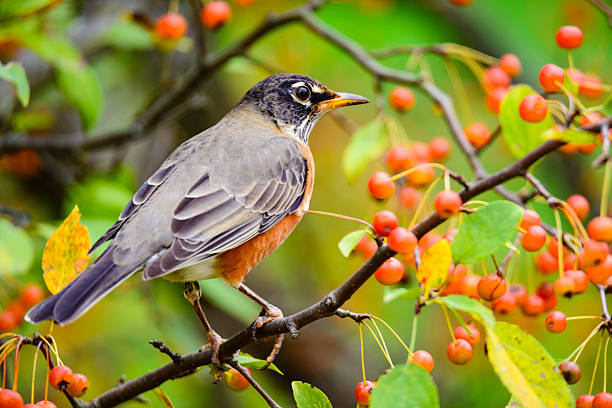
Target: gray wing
{"x": 233, "y": 203}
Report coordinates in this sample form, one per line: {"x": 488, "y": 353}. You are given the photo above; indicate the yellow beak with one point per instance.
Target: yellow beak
{"x": 342, "y": 99}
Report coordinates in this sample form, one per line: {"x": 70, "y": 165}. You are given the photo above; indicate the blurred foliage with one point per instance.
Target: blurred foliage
{"x": 90, "y": 67}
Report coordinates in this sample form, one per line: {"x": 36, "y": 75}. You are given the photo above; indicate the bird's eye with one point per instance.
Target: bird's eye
{"x": 302, "y": 93}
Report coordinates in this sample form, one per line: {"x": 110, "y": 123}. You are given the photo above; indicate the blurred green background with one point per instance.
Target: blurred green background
{"x": 111, "y": 339}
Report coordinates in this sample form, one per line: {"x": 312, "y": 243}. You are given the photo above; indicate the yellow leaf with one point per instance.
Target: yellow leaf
{"x": 435, "y": 262}
{"x": 65, "y": 254}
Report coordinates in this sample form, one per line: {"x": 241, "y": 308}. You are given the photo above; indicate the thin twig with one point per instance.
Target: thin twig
{"x": 255, "y": 384}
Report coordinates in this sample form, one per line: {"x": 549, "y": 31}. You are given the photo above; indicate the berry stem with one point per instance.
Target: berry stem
{"x": 581, "y": 347}
{"x": 362, "y": 357}
{"x": 448, "y": 323}
{"x": 559, "y": 241}
{"x": 395, "y": 334}
{"x": 415, "y": 217}
{"x": 596, "y": 365}
{"x": 418, "y": 167}
{"x": 342, "y": 217}
{"x": 173, "y": 6}
{"x": 570, "y": 59}
{"x": 34, "y": 372}
{"x": 584, "y": 317}
{"x": 17, "y": 355}
{"x": 604, "y": 304}
{"x": 413, "y": 333}
{"x": 47, "y": 376}
{"x": 605, "y": 187}
{"x": 382, "y": 346}
{"x": 446, "y": 181}
{"x": 605, "y": 364}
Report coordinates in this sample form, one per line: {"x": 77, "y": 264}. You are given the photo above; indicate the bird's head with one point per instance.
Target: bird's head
{"x": 295, "y": 102}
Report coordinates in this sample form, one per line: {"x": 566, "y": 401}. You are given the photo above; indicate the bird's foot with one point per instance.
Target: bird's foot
{"x": 215, "y": 342}
{"x": 267, "y": 315}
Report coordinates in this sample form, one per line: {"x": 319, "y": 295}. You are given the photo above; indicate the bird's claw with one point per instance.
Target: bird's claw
{"x": 267, "y": 315}
{"x": 215, "y": 342}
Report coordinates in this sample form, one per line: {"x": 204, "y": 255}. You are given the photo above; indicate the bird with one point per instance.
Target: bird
{"x": 220, "y": 203}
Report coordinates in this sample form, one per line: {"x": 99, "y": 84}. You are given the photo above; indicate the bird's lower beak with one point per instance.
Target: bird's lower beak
{"x": 342, "y": 99}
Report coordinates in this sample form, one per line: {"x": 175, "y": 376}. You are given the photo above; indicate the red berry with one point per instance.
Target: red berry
{"x": 534, "y": 239}
{"x": 245, "y": 2}
{"x": 518, "y": 291}
{"x": 545, "y": 290}
{"x": 461, "y": 3}
{"x": 580, "y": 205}
{"x": 556, "y": 322}
{"x": 384, "y": 222}
{"x": 505, "y": 304}
{"x": 363, "y": 391}
{"x": 491, "y": 287}
{"x": 511, "y": 65}
{"x": 401, "y": 98}
{"x": 459, "y": 351}
{"x": 421, "y": 151}
{"x": 366, "y": 246}
{"x": 424, "y": 359}
{"x": 421, "y": 177}
{"x": 564, "y": 286}
{"x": 602, "y": 400}
{"x": 400, "y": 158}
{"x": 600, "y": 273}
{"x": 409, "y": 197}
{"x": 591, "y": 87}
{"x": 576, "y": 76}
{"x": 477, "y": 134}
{"x": 469, "y": 285}
{"x": 585, "y": 401}
{"x": 380, "y": 185}
{"x": 30, "y": 295}
{"x": 593, "y": 253}
{"x": 569, "y": 37}
{"x": 45, "y": 404}
{"x": 461, "y": 333}
{"x": 439, "y": 149}
{"x": 30, "y": 406}
{"x": 60, "y": 377}
{"x": 533, "y": 108}
{"x": 533, "y": 305}
{"x": 10, "y": 399}
{"x": 390, "y": 272}
{"x": 494, "y": 99}
{"x": 17, "y": 310}
{"x": 546, "y": 263}
{"x": 600, "y": 229}
{"x": 580, "y": 280}
{"x": 215, "y": 14}
{"x": 495, "y": 77}
{"x": 551, "y": 77}
{"x": 570, "y": 371}
{"x": 235, "y": 380}
{"x": 7, "y": 321}
{"x": 447, "y": 203}
{"x": 529, "y": 219}
{"x": 79, "y": 385}
{"x": 171, "y": 26}
{"x": 402, "y": 241}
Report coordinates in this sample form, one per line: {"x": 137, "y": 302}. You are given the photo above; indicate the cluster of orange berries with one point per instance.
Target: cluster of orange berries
{"x": 173, "y": 26}
{"x": 12, "y": 315}
{"x": 60, "y": 377}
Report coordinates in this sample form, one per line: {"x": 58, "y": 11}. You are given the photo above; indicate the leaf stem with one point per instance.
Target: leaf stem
{"x": 448, "y": 323}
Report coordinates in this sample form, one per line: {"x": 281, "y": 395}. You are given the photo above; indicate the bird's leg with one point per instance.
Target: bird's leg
{"x": 193, "y": 293}
{"x": 269, "y": 313}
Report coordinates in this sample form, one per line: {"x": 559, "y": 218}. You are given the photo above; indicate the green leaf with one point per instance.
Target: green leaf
{"x": 56, "y": 50}
{"x": 16, "y": 249}
{"x": 308, "y": 396}
{"x": 485, "y": 231}
{"x": 367, "y": 144}
{"x": 14, "y": 73}
{"x": 18, "y": 8}
{"x": 126, "y": 35}
{"x": 570, "y": 135}
{"x": 32, "y": 120}
{"x": 434, "y": 265}
{"x": 471, "y": 306}
{"x": 247, "y": 360}
{"x": 390, "y": 293}
{"x": 520, "y": 135}
{"x": 526, "y": 368}
{"x": 350, "y": 241}
{"x": 405, "y": 386}
{"x": 82, "y": 87}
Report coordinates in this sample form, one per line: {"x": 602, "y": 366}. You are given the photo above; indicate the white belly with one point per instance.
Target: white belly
{"x": 199, "y": 271}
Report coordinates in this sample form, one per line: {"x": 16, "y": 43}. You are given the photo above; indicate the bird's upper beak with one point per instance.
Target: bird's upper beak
{"x": 341, "y": 99}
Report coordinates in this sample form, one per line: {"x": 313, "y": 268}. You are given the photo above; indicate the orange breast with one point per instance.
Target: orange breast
{"x": 234, "y": 264}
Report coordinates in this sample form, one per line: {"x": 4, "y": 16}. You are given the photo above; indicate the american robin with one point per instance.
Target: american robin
{"x": 217, "y": 206}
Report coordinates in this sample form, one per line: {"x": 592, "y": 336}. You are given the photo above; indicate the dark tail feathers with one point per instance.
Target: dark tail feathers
{"x": 82, "y": 293}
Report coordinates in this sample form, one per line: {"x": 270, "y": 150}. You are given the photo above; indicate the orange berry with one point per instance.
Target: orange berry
{"x": 171, "y": 26}
{"x": 564, "y": 286}
{"x": 461, "y": 3}
{"x": 569, "y": 37}
{"x": 505, "y": 304}
{"x": 602, "y": 400}
{"x": 469, "y": 285}
{"x": 400, "y": 158}
{"x": 494, "y": 99}
{"x": 518, "y": 291}
{"x": 439, "y": 149}
{"x": 421, "y": 151}
{"x": 363, "y": 391}
{"x": 533, "y": 305}
{"x": 421, "y": 177}
{"x": 580, "y": 205}
{"x": 384, "y": 222}
{"x": 409, "y": 197}
{"x": 591, "y": 87}
{"x": 533, "y": 108}
{"x": 424, "y": 359}
{"x": 402, "y": 240}
{"x": 380, "y": 185}
{"x": 366, "y": 246}
{"x": 593, "y": 253}
{"x": 401, "y": 98}
{"x": 461, "y": 333}
{"x": 45, "y": 404}
{"x": 60, "y": 377}
{"x": 30, "y": 295}
{"x": 568, "y": 149}
{"x": 447, "y": 203}
{"x": 580, "y": 279}
{"x": 459, "y": 351}
{"x": 600, "y": 229}
{"x": 529, "y": 219}
{"x": 495, "y": 77}
{"x": 7, "y": 321}
{"x": 10, "y": 399}
{"x": 390, "y": 272}
{"x": 546, "y": 263}
{"x": 215, "y": 14}
{"x": 585, "y": 401}
{"x": 551, "y": 77}
{"x": 79, "y": 385}
{"x": 534, "y": 239}
{"x": 511, "y": 65}
{"x": 491, "y": 287}
{"x": 235, "y": 380}
{"x": 600, "y": 273}
{"x": 477, "y": 134}
{"x": 556, "y": 322}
